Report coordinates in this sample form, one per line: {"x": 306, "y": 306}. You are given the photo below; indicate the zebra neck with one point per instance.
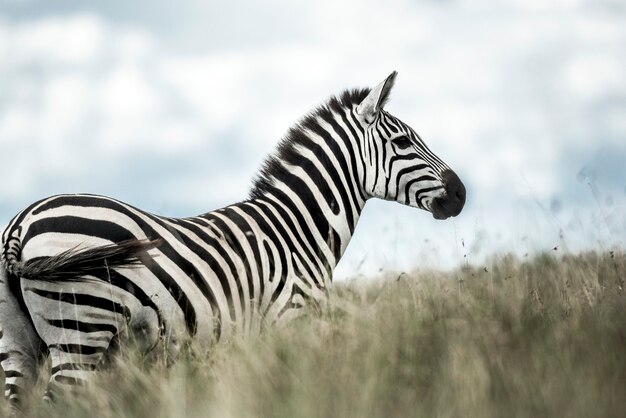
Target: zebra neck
{"x": 319, "y": 205}
{"x": 316, "y": 177}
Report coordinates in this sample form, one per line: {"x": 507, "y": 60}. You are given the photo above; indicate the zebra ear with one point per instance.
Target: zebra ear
{"x": 376, "y": 99}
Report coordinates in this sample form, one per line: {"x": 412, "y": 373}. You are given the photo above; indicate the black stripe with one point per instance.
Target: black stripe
{"x": 81, "y": 299}
{"x": 76, "y": 225}
{"x": 13, "y": 389}
{"x": 383, "y": 158}
{"x": 78, "y": 348}
{"x": 82, "y": 326}
{"x": 67, "y": 380}
{"x": 270, "y": 260}
{"x": 73, "y": 366}
{"x": 12, "y": 373}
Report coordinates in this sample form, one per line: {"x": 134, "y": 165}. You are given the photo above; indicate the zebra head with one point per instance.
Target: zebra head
{"x": 398, "y": 164}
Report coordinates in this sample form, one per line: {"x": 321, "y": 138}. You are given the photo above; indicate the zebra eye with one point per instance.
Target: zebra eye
{"x": 402, "y": 142}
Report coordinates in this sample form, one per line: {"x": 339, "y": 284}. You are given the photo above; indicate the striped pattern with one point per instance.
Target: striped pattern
{"x": 233, "y": 270}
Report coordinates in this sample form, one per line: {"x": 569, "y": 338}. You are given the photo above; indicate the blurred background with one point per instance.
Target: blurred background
{"x": 172, "y": 107}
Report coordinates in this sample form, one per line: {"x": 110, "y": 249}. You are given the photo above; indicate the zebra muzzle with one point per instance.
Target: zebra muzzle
{"x": 452, "y": 202}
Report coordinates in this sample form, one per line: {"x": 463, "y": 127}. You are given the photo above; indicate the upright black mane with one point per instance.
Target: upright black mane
{"x": 286, "y": 149}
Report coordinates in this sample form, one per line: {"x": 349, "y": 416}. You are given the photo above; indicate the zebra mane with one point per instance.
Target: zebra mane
{"x": 287, "y": 148}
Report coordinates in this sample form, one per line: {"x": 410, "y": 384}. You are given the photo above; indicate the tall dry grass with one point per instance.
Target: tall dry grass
{"x": 538, "y": 337}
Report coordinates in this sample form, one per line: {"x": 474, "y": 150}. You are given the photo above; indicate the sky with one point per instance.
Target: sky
{"x": 172, "y": 107}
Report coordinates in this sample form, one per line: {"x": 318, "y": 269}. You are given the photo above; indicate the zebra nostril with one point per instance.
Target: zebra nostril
{"x": 460, "y": 194}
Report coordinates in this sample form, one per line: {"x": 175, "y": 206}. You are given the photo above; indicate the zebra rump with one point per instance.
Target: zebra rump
{"x": 74, "y": 264}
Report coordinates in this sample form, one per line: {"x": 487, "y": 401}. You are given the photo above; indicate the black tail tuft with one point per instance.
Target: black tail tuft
{"x": 74, "y": 264}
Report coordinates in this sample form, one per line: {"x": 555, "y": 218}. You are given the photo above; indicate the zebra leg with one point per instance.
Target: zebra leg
{"x": 77, "y": 322}
{"x": 20, "y": 346}
{"x": 70, "y": 369}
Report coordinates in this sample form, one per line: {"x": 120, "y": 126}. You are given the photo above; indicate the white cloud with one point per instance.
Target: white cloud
{"x": 210, "y": 85}
{"x": 126, "y": 95}
{"x": 590, "y": 75}
{"x": 55, "y": 40}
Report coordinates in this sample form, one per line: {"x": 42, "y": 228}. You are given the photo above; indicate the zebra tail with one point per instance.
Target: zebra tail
{"x": 74, "y": 264}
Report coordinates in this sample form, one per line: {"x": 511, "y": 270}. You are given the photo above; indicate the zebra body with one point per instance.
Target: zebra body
{"x": 201, "y": 279}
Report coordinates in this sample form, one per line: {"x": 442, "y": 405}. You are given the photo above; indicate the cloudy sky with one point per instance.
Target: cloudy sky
{"x": 172, "y": 106}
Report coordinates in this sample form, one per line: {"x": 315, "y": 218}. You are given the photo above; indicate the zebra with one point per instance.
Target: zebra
{"x": 82, "y": 274}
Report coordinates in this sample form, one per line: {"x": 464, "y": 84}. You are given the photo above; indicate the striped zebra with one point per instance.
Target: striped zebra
{"x": 80, "y": 275}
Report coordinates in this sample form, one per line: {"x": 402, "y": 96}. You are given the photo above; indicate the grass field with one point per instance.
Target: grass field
{"x": 538, "y": 337}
